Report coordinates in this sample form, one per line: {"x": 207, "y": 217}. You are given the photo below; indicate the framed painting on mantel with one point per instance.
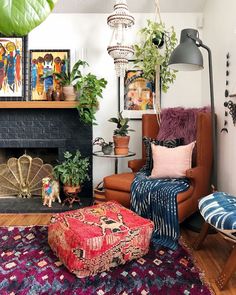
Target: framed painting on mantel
{"x": 13, "y": 68}
{"x": 44, "y": 64}
{"x": 137, "y": 95}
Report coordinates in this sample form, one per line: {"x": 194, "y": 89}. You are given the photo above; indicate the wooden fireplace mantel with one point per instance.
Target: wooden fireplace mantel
{"x": 38, "y": 104}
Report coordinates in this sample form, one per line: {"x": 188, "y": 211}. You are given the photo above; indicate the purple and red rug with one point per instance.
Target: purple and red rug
{"x": 29, "y": 267}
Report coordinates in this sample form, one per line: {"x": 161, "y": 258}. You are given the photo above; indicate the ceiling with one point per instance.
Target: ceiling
{"x": 145, "y": 6}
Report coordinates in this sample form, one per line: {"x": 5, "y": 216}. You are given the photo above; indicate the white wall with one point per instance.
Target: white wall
{"x": 220, "y": 36}
{"x": 87, "y": 36}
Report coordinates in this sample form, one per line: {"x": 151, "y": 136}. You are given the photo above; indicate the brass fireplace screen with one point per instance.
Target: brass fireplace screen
{"x": 22, "y": 177}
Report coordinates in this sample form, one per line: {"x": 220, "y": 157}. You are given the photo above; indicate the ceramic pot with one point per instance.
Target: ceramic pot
{"x": 71, "y": 189}
{"x": 121, "y": 145}
{"x": 107, "y": 150}
{"x": 69, "y": 93}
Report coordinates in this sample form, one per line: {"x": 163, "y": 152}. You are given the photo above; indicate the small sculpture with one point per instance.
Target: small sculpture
{"x": 50, "y": 191}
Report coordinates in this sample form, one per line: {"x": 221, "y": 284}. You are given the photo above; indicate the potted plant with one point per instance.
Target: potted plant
{"x": 153, "y": 52}
{"x": 107, "y": 147}
{"x": 72, "y": 172}
{"x": 88, "y": 86}
{"x": 68, "y": 80}
{"x": 121, "y": 138}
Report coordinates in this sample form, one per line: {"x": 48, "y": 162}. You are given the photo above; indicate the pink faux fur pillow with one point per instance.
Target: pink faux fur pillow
{"x": 171, "y": 163}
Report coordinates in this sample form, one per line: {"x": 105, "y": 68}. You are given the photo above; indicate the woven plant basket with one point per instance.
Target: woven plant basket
{"x": 99, "y": 194}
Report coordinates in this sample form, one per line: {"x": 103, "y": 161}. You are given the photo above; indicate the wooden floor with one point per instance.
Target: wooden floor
{"x": 209, "y": 259}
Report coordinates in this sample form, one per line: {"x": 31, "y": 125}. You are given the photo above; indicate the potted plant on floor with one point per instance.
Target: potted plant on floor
{"x": 154, "y": 50}
{"x": 107, "y": 147}
{"x": 121, "y": 138}
{"x": 72, "y": 172}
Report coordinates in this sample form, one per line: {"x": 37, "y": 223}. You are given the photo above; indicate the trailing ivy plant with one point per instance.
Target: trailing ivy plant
{"x": 149, "y": 53}
{"x": 90, "y": 89}
{"x": 88, "y": 86}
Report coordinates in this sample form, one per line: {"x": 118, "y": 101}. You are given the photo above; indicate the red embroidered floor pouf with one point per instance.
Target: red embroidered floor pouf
{"x": 94, "y": 239}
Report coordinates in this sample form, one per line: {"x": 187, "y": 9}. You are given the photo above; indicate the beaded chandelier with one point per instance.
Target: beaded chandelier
{"x": 119, "y": 49}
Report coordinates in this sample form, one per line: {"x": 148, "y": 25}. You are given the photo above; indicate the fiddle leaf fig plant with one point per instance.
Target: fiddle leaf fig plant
{"x": 155, "y": 48}
{"x": 19, "y": 17}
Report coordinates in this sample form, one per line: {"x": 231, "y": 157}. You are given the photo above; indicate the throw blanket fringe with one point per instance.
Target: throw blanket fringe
{"x": 155, "y": 199}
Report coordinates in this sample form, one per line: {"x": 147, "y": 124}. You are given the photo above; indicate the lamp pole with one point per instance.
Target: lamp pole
{"x": 213, "y": 119}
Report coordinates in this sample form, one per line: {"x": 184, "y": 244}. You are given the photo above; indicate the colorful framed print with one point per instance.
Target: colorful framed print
{"x": 137, "y": 95}
{"x": 43, "y": 66}
{"x": 13, "y": 68}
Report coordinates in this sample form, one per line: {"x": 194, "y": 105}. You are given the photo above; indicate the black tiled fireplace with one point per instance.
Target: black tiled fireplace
{"x": 58, "y": 130}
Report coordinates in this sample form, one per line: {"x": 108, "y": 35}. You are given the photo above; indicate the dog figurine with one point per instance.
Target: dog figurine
{"x": 50, "y": 191}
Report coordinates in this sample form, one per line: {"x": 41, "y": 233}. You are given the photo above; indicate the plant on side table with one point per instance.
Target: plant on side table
{"x": 107, "y": 147}
{"x": 121, "y": 138}
{"x": 72, "y": 172}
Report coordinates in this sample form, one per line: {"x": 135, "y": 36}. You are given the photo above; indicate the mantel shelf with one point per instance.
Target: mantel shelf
{"x": 38, "y": 104}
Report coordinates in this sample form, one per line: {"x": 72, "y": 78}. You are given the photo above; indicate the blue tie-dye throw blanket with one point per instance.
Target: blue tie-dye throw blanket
{"x": 156, "y": 199}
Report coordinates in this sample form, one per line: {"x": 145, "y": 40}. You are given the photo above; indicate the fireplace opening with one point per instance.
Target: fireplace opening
{"x": 48, "y": 155}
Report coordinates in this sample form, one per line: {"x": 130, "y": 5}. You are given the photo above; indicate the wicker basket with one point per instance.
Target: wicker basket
{"x": 99, "y": 194}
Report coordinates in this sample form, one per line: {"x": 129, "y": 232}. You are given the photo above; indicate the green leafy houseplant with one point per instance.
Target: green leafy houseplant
{"x": 71, "y": 78}
{"x": 107, "y": 147}
{"x": 19, "y": 17}
{"x": 121, "y": 138}
{"x": 88, "y": 86}
{"x": 122, "y": 125}
{"x": 149, "y": 55}
{"x": 73, "y": 171}
{"x": 90, "y": 89}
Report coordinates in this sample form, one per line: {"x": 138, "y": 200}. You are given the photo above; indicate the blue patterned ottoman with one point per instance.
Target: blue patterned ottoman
{"x": 219, "y": 210}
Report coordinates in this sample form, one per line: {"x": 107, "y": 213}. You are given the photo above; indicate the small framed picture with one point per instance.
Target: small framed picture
{"x": 137, "y": 95}
{"x": 13, "y": 68}
{"x": 44, "y": 64}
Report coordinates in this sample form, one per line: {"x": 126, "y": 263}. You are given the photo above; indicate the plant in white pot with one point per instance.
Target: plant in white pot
{"x": 72, "y": 172}
{"x": 121, "y": 138}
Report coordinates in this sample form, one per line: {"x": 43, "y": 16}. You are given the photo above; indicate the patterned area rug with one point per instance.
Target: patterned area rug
{"x": 29, "y": 267}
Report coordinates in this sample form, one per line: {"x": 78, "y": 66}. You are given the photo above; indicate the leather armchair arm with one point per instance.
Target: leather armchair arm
{"x": 136, "y": 165}
{"x": 195, "y": 173}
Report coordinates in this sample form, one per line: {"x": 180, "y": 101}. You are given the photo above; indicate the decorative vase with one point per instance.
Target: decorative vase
{"x": 69, "y": 93}
{"x": 121, "y": 145}
{"x": 107, "y": 150}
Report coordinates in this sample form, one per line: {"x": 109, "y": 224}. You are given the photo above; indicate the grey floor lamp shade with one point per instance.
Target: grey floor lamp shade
{"x": 187, "y": 57}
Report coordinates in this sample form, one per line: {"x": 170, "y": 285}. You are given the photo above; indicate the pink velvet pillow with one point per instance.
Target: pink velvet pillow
{"x": 172, "y": 162}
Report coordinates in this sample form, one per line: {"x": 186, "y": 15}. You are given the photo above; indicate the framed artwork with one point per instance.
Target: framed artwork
{"x": 43, "y": 66}
{"x": 137, "y": 95}
{"x": 13, "y": 68}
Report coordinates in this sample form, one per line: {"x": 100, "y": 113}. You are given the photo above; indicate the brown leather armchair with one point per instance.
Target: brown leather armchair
{"x": 117, "y": 186}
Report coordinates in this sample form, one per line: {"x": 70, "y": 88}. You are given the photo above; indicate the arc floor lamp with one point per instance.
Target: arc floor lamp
{"x": 187, "y": 57}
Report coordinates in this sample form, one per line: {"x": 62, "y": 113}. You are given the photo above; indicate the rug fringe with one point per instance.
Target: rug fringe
{"x": 201, "y": 272}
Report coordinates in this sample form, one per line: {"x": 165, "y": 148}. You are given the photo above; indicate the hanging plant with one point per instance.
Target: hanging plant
{"x": 154, "y": 50}
{"x": 19, "y": 17}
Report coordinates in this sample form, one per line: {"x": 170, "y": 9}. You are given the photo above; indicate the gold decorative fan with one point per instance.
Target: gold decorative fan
{"x": 23, "y": 177}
